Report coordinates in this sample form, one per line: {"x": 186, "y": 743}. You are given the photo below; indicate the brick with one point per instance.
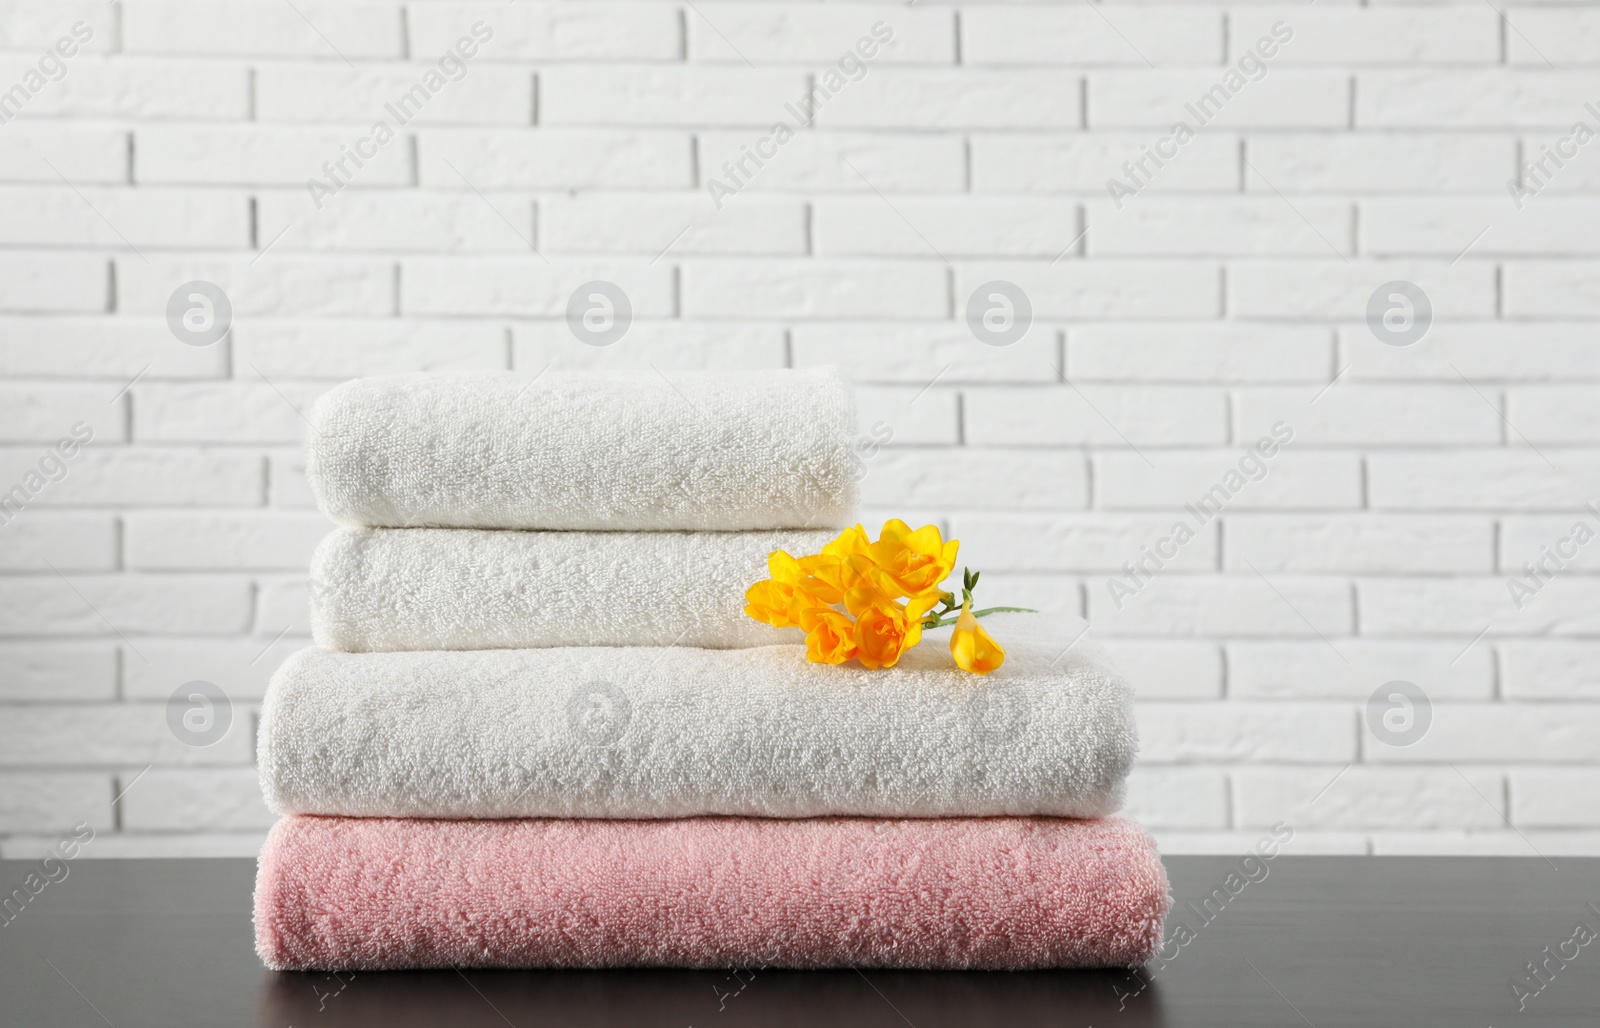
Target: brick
{"x": 120, "y": 219}
{"x": 1409, "y": 36}
{"x": 1059, "y": 594}
{"x": 102, "y": 604}
{"x": 1095, "y": 415}
{"x": 912, "y": 417}
{"x": 1375, "y": 162}
{"x": 262, "y": 155}
{"x": 43, "y": 412}
{"x": 814, "y": 289}
{"x": 112, "y": 735}
{"x": 672, "y": 95}
{"x": 71, "y": 541}
{"x": 231, "y": 412}
{"x": 286, "y": 476}
{"x": 1065, "y": 162}
{"x": 1480, "y": 479}
{"x": 1315, "y": 481}
{"x": 1104, "y": 289}
{"x": 1368, "y": 797}
{"x": 820, "y": 35}
{"x": 1541, "y": 669}
{"x": 1555, "y": 797}
{"x": 1159, "y": 227}
{"x": 222, "y": 541}
{"x": 1309, "y": 733}
{"x": 1202, "y": 605}
{"x": 672, "y": 224}
{"x": 667, "y": 345}
{"x": 1554, "y": 538}
{"x": 928, "y": 98}
{"x": 1162, "y": 669}
{"x": 138, "y": 476}
{"x": 1466, "y": 606}
{"x": 241, "y": 667}
{"x": 394, "y": 222}
{"x": 223, "y": 800}
{"x": 301, "y": 286}
{"x": 346, "y": 348}
{"x": 82, "y": 153}
{"x": 1079, "y": 543}
{"x": 1370, "y": 415}
{"x": 1358, "y": 544}
{"x": 54, "y": 801}
{"x": 1226, "y": 353}
{"x": 591, "y": 31}
{"x": 1477, "y": 98}
{"x": 53, "y": 283}
{"x": 57, "y": 672}
{"x": 1298, "y": 670}
{"x": 1029, "y": 479}
{"x": 320, "y": 91}
{"x": 1563, "y": 37}
{"x": 249, "y": 28}
{"x": 284, "y": 605}
{"x": 136, "y": 88}
{"x": 26, "y": 26}
{"x": 1413, "y": 226}
{"x": 1547, "y": 351}
{"x": 525, "y": 285}
{"x": 553, "y": 159}
{"x": 1500, "y": 732}
{"x": 114, "y": 348}
{"x": 1158, "y": 99}
{"x": 842, "y": 162}
{"x": 1178, "y": 797}
{"x": 1079, "y": 36}
{"x": 919, "y": 354}
{"x": 970, "y": 227}
{"x": 1338, "y": 291}
{"x": 1552, "y": 288}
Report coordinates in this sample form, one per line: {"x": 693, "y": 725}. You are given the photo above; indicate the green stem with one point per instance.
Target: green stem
{"x": 941, "y": 622}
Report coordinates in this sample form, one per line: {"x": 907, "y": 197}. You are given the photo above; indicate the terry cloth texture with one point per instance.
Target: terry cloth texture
{"x": 585, "y": 450}
{"x": 1003, "y": 893}
{"x": 637, "y": 732}
{"x": 461, "y": 589}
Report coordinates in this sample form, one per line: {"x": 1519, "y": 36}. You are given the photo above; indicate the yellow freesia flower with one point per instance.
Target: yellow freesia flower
{"x": 913, "y": 563}
{"x": 973, "y": 648}
{"x": 831, "y": 638}
{"x": 885, "y": 631}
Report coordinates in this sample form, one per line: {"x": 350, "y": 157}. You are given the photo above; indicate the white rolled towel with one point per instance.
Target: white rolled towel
{"x": 631, "y": 450}
{"x": 646, "y": 732}
{"x": 468, "y": 588}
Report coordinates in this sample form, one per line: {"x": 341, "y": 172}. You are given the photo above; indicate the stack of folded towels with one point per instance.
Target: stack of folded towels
{"x": 538, "y": 730}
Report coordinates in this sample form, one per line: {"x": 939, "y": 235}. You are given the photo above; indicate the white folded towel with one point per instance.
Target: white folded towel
{"x": 468, "y": 588}
{"x": 585, "y": 450}
{"x": 645, "y": 732}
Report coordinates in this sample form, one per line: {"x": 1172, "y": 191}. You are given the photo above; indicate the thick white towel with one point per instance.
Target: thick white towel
{"x": 585, "y": 450}
{"x": 645, "y": 732}
{"x": 469, "y": 589}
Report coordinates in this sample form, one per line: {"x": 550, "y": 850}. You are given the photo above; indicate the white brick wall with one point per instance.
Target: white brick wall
{"x": 1172, "y": 325}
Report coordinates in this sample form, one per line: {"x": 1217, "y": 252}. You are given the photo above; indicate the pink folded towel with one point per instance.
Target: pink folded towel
{"x": 984, "y": 893}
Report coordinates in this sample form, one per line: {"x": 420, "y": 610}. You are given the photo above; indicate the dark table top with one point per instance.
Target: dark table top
{"x": 1323, "y": 941}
